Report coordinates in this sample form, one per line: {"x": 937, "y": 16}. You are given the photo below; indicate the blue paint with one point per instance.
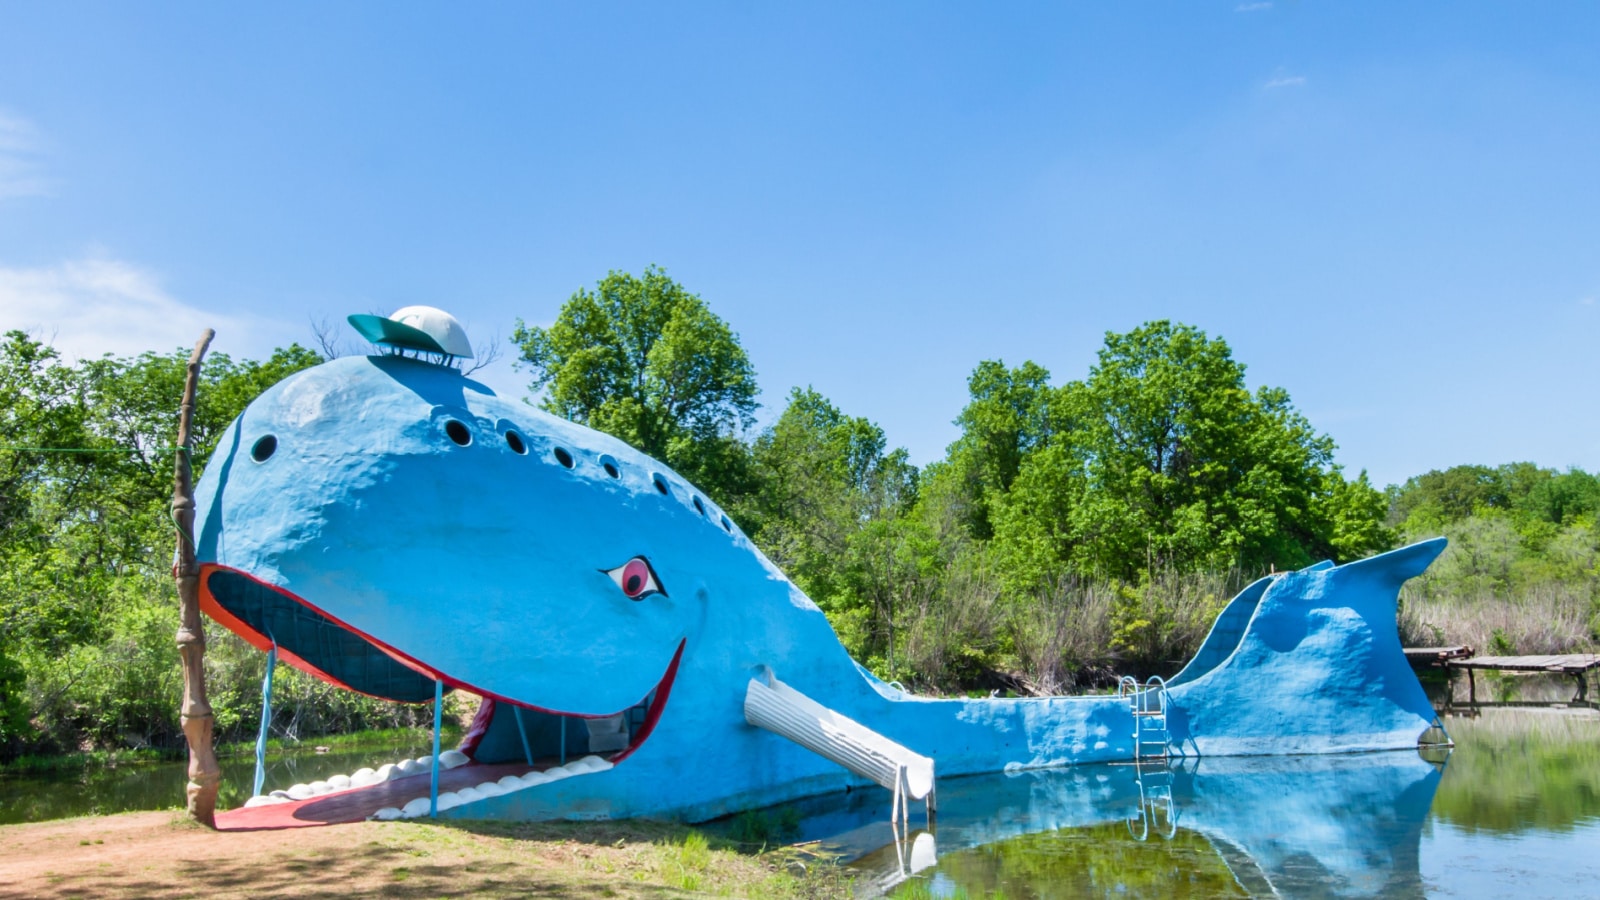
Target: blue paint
{"x": 266, "y": 721}
{"x": 1331, "y": 825}
{"x": 383, "y": 555}
{"x": 438, "y": 721}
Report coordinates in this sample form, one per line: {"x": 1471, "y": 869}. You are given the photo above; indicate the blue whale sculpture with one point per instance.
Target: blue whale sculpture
{"x": 388, "y": 524}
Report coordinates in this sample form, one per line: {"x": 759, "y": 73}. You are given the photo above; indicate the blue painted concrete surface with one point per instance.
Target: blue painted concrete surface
{"x": 381, "y": 550}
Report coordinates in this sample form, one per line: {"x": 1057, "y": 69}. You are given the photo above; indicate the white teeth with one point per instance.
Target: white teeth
{"x": 266, "y": 799}
{"x": 449, "y": 759}
{"x": 507, "y": 785}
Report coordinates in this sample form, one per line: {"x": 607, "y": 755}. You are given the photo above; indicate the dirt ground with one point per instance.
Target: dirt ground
{"x": 162, "y": 854}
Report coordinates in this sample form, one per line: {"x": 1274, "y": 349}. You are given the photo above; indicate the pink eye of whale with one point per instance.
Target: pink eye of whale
{"x": 636, "y": 579}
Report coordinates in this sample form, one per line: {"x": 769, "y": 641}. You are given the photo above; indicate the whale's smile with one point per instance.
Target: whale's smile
{"x": 323, "y": 645}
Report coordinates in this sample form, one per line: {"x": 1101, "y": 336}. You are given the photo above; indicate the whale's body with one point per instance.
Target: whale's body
{"x": 389, "y": 523}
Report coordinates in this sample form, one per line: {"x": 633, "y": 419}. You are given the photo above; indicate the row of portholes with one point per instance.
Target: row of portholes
{"x": 460, "y": 435}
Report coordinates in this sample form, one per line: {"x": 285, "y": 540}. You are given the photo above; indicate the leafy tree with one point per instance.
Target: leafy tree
{"x": 1163, "y": 459}
{"x": 87, "y": 541}
{"x": 830, "y": 509}
{"x": 645, "y": 360}
{"x": 1007, "y": 418}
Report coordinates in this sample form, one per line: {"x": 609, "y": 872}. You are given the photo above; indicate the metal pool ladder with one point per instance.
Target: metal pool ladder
{"x": 1148, "y": 702}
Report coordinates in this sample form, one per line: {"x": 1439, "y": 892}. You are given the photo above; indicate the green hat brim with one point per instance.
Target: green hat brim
{"x": 380, "y": 330}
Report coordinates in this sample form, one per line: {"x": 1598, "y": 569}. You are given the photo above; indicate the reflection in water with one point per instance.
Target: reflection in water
{"x": 1518, "y": 769}
{"x": 102, "y": 790}
{"x": 1515, "y": 810}
{"x": 1341, "y": 826}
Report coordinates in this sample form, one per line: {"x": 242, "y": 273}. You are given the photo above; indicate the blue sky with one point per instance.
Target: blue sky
{"x": 1390, "y": 210}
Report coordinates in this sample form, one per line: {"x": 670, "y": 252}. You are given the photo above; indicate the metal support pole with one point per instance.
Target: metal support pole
{"x": 563, "y": 740}
{"x": 266, "y": 720}
{"x": 522, "y": 733}
{"x": 438, "y": 720}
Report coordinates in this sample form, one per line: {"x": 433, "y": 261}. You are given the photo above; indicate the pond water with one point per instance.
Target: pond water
{"x": 97, "y": 789}
{"x": 1514, "y": 810}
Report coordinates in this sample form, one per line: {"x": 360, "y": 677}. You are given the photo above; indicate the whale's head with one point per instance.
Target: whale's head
{"x": 388, "y": 523}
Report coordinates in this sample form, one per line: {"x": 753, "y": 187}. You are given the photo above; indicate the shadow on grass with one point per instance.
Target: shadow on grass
{"x": 472, "y": 859}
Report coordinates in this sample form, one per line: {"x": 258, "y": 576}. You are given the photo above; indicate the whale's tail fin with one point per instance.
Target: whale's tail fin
{"x": 1308, "y": 662}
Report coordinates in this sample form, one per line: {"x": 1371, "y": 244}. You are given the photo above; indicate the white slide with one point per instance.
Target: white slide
{"x": 782, "y": 710}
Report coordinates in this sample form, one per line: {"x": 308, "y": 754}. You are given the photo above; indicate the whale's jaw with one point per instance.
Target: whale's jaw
{"x": 321, "y": 644}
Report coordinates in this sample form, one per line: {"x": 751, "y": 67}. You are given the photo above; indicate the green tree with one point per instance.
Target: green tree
{"x": 1162, "y": 459}
{"x": 1007, "y": 417}
{"x": 84, "y": 554}
{"x": 830, "y": 509}
{"x": 645, "y": 360}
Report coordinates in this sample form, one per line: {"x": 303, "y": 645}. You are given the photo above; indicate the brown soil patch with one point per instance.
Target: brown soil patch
{"x": 162, "y": 854}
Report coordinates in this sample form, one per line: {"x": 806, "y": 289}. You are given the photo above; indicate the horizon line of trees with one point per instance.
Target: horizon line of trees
{"x": 1074, "y": 528}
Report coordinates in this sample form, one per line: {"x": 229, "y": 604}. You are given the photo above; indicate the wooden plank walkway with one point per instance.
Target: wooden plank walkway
{"x": 1575, "y": 664}
{"x": 1566, "y": 664}
{"x": 1435, "y": 656}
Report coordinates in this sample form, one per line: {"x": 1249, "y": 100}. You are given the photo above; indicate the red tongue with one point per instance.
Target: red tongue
{"x": 359, "y": 804}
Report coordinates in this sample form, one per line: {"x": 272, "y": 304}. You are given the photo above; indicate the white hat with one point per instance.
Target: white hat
{"x": 417, "y": 328}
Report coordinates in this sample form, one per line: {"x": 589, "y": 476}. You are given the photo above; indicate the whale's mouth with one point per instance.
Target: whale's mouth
{"x": 306, "y": 637}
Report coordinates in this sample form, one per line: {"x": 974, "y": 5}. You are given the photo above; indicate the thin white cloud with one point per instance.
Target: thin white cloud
{"x": 96, "y": 305}
{"x": 20, "y": 175}
{"x": 1252, "y": 7}
{"x": 1586, "y": 301}
{"x": 1284, "y": 81}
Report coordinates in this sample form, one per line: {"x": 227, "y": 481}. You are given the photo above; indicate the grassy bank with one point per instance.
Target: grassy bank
{"x": 44, "y": 764}
{"x": 162, "y": 855}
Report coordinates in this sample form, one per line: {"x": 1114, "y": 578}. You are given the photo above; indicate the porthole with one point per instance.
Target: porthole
{"x": 661, "y": 484}
{"x": 610, "y": 465}
{"x": 458, "y": 432}
{"x": 514, "y": 441}
{"x": 699, "y": 507}
{"x": 264, "y": 447}
{"x": 563, "y": 457}
{"x": 726, "y": 525}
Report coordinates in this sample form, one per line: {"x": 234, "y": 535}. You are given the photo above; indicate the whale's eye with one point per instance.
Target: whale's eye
{"x": 264, "y": 447}
{"x": 458, "y": 432}
{"x": 636, "y": 579}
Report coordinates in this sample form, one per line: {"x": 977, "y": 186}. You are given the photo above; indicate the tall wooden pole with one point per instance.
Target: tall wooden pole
{"x": 204, "y": 774}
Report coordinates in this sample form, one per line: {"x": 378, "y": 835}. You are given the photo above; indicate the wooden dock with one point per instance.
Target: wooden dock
{"x": 1577, "y": 665}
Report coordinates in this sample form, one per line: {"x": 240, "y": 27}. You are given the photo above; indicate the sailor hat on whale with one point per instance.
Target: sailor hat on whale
{"x": 416, "y": 328}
